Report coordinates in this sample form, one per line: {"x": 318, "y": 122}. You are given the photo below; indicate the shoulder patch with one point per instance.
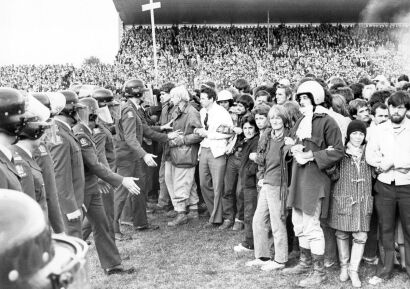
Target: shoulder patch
{"x": 43, "y": 150}
{"x": 17, "y": 157}
{"x": 97, "y": 130}
{"x": 20, "y": 171}
{"x": 84, "y": 142}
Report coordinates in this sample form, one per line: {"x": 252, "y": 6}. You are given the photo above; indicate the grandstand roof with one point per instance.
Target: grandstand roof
{"x": 245, "y": 11}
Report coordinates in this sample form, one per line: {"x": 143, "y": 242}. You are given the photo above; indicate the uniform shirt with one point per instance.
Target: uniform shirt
{"x": 68, "y": 168}
{"x": 9, "y": 178}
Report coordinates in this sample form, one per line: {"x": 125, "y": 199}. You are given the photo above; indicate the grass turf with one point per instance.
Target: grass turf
{"x": 192, "y": 257}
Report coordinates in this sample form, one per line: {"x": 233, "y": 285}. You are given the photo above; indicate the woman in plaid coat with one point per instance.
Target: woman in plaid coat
{"x": 351, "y": 203}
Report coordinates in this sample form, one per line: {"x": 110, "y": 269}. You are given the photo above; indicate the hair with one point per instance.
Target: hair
{"x": 261, "y": 109}
{"x": 335, "y": 80}
{"x": 406, "y": 87}
{"x": 399, "y": 98}
{"x": 339, "y": 105}
{"x": 247, "y": 101}
{"x": 345, "y": 91}
{"x": 166, "y": 87}
{"x": 293, "y": 110}
{"x": 288, "y": 91}
{"x": 251, "y": 120}
{"x": 209, "y": 91}
{"x": 242, "y": 85}
{"x": 355, "y": 104}
{"x": 181, "y": 92}
{"x": 263, "y": 93}
{"x": 377, "y": 105}
{"x": 235, "y": 92}
{"x": 357, "y": 89}
{"x": 403, "y": 77}
{"x": 379, "y": 96}
{"x": 365, "y": 81}
{"x": 280, "y": 111}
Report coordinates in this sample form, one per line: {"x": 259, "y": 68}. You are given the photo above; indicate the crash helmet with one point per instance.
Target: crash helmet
{"x": 134, "y": 88}
{"x": 12, "y": 108}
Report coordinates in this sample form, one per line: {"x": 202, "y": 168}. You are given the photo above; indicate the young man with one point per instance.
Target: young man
{"x": 359, "y": 109}
{"x": 388, "y": 151}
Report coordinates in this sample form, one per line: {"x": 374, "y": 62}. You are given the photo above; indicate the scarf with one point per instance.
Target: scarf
{"x": 355, "y": 152}
{"x": 304, "y": 130}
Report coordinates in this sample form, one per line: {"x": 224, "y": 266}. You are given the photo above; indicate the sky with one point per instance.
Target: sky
{"x": 57, "y": 31}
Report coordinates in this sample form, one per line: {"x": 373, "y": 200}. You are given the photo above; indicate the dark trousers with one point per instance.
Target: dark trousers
{"x": 331, "y": 254}
{"x": 370, "y": 250}
{"x": 104, "y": 242}
{"x": 72, "y": 228}
{"x": 131, "y": 168}
{"x": 250, "y": 202}
{"x": 388, "y": 198}
{"x": 232, "y": 197}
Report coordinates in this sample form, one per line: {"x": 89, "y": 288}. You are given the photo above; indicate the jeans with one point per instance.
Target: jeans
{"x": 250, "y": 202}
{"x": 232, "y": 198}
{"x": 163, "y": 199}
{"x": 268, "y": 208}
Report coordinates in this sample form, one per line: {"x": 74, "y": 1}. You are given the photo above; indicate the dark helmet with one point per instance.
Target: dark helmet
{"x": 12, "y": 108}
{"x": 90, "y": 114}
{"x": 103, "y": 96}
{"x": 30, "y": 257}
{"x": 54, "y": 101}
{"x": 72, "y": 105}
{"x": 36, "y": 116}
{"x": 43, "y": 98}
{"x": 134, "y": 88}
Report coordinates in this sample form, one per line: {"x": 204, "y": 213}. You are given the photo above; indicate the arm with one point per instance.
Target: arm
{"x": 152, "y": 134}
{"x": 373, "y": 153}
{"x": 130, "y": 133}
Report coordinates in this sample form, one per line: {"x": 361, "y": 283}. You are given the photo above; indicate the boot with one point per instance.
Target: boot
{"x": 355, "y": 258}
{"x": 193, "y": 215}
{"x": 180, "y": 219}
{"x": 344, "y": 255}
{"x": 304, "y": 265}
{"x": 319, "y": 275}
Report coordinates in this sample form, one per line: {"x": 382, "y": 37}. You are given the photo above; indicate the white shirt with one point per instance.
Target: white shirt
{"x": 391, "y": 145}
{"x": 25, "y": 149}
{"x": 215, "y": 141}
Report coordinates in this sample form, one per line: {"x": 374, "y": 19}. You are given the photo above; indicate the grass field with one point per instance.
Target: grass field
{"x": 193, "y": 257}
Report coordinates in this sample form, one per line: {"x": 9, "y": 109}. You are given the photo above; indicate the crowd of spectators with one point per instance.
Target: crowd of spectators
{"x": 194, "y": 54}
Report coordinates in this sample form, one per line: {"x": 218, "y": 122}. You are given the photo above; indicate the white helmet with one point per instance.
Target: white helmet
{"x": 314, "y": 89}
{"x": 224, "y": 95}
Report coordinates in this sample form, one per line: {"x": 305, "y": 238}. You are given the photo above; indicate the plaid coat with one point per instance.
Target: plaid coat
{"x": 351, "y": 203}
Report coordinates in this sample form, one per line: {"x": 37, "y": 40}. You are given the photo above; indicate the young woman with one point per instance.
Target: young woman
{"x": 351, "y": 204}
{"x": 271, "y": 205}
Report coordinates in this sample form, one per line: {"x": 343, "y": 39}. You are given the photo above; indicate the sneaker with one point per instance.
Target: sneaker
{"x": 225, "y": 225}
{"x": 240, "y": 248}
{"x": 255, "y": 262}
{"x": 375, "y": 280}
{"x": 238, "y": 226}
{"x": 126, "y": 223}
{"x": 272, "y": 265}
{"x": 148, "y": 227}
{"x": 119, "y": 269}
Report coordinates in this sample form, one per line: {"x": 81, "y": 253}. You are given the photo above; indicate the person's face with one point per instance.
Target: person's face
{"x": 164, "y": 97}
{"x": 381, "y": 115}
{"x": 397, "y": 113}
{"x": 248, "y": 130}
{"x": 261, "y": 99}
{"x": 241, "y": 108}
{"x": 261, "y": 121}
{"x": 280, "y": 96}
{"x": 276, "y": 122}
{"x": 224, "y": 104}
{"x": 305, "y": 104}
{"x": 357, "y": 138}
{"x": 368, "y": 91}
{"x": 175, "y": 99}
{"x": 204, "y": 100}
{"x": 363, "y": 114}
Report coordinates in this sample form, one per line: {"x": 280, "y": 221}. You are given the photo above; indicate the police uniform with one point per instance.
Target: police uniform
{"x": 9, "y": 178}
{"x": 93, "y": 169}
{"x": 69, "y": 174}
{"x": 31, "y": 177}
{"x": 129, "y": 136}
{"x": 42, "y": 157}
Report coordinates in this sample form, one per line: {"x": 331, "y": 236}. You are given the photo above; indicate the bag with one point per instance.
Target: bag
{"x": 185, "y": 156}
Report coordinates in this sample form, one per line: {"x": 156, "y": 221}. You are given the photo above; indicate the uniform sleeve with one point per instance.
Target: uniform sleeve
{"x": 152, "y": 134}
{"x": 63, "y": 177}
{"x": 128, "y": 120}
{"x": 100, "y": 140}
{"x": 91, "y": 162}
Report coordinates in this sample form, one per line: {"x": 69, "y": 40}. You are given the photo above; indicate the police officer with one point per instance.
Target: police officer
{"x": 55, "y": 102}
{"x": 130, "y": 131}
{"x": 93, "y": 169}
{"x": 12, "y": 108}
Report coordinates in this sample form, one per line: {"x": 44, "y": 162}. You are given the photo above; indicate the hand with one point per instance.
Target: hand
{"x": 289, "y": 141}
{"x": 252, "y": 156}
{"x": 149, "y": 160}
{"x": 130, "y": 185}
{"x": 202, "y": 132}
{"x": 297, "y": 148}
{"x": 167, "y": 126}
{"x": 105, "y": 188}
{"x": 174, "y": 134}
{"x": 76, "y": 215}
{"x": 300, "y": 160}
{"x": 385, "y": 165}
{"x": 237, "y": 130}
{"x": 179, "y": 141}
{"x": 260, "y": 183}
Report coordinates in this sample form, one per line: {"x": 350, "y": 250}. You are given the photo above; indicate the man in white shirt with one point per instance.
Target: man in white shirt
{"x": 388, "y": 151}
{"x": 212, "y": 160}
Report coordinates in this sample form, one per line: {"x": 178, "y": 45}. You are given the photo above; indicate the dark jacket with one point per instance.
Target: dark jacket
{"x": 104, "y": 143}
{"x": 9, "y": 178}
{"x": 310, "y": 183}
{"x": 186, "y": 119}
{"x": 248, "y": 168}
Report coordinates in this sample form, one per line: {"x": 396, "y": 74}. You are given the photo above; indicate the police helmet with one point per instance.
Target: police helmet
{"x": 12, "y": 108}
{"x": 103, "y": 96}
{"x": 134, "y": 88}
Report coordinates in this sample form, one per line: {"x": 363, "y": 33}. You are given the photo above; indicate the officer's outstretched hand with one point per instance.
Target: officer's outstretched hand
{"x": 174, "y": 134}
{"x": 149, "y": 160}
{"x": 130, "y": 185}
{"x": 167, "y": 126}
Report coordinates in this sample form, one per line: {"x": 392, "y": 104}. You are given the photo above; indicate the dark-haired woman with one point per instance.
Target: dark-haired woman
{"x": 351, "y": 204}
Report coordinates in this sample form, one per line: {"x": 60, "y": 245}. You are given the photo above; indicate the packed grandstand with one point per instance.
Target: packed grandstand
{"x": 191, "y": 55}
